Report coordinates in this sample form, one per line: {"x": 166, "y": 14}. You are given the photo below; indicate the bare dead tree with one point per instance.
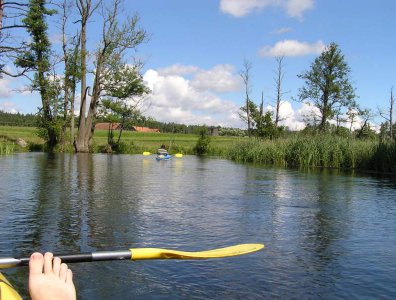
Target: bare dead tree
{"x": 86, "y": 9}
{"x": 389, "y": 116}
{"x": 279, "y": 76}
{"x": 245, "y": 75}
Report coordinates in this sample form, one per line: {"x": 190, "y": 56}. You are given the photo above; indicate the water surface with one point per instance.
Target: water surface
{"x": 327, "y": 235}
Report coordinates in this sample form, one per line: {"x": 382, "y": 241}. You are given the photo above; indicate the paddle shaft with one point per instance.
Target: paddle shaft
{"x": 73, "y": 258}
{"x": 143, "y": 253}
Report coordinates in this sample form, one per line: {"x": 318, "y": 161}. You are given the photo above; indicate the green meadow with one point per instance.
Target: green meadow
{"x": 132, "y": 142}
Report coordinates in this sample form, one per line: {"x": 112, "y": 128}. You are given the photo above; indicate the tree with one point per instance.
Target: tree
{"x": 86, "y": 9}
{"x": 365, "y": 130}
{"x": 37, "y": 60}
{"x": 389, "y": 117}
{"x": 352, "y": 114}
{"x": 279, "y": 75}
{"x": 116, "y": 39}
{"x": 245, "y": 75}
{"x": 70, "y": 58}
{"x": 327, "y": 85}
{"x": 124, "y": 93}
{"x": 202, "y": 146}
{"x": 262, "y": 125}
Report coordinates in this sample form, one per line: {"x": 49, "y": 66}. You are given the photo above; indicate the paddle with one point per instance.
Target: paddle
{"x": 178, "y": 155}
{"x": 142, "y": 253}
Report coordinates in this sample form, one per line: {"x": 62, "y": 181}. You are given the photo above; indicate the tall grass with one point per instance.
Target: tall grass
{"x": 6, "y": 147}
{"x": 327, "y": 151}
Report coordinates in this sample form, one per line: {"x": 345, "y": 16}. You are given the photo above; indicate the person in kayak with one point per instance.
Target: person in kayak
{"x": 162, "y": 150}
{"x": 49, "y": 278}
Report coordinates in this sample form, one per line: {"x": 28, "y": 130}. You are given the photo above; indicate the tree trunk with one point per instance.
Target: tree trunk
{"x": 73, "y": 97}
{"x": 81, "y": 144}
{"x": 278, "y": 83}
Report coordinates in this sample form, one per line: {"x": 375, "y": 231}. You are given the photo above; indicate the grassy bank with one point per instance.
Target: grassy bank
{"x": 296, "y": 150}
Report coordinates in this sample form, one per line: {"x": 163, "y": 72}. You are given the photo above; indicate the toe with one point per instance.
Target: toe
{"x": 56, "y": 264}
{"x": 69, "y": 276}
{"x": 48, "y": 256}
{"x": 63, "y": 272}
{"x": 36, "y": 264}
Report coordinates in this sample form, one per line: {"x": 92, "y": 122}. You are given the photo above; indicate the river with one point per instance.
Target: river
{"x": 327, "y": 234}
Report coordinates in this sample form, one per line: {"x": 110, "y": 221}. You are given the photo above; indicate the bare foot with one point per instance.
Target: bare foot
{"x": 49, "y": 279}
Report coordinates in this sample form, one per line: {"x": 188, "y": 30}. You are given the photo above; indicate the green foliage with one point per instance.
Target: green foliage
{"x": 232, "y": 132}
{"x": 36, "y": 59}
{"x": 122, "y": 84}
{"x": 123, "y": 81}
{"x": 202, "y": 146}
{"x": 262, "y": 125}
{"x": 366, "y": 132}
{"x": 303, "y": 150}
{"x": 327, "y": 85}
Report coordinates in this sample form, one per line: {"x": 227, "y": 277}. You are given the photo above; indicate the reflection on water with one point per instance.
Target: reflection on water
{"x": 327, "y": 234}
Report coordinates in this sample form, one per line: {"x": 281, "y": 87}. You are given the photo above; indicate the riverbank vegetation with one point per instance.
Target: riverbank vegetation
{"x": 6, "y": 147}
{"x": 292, "y": 150}
{"x": 328, "y": 151}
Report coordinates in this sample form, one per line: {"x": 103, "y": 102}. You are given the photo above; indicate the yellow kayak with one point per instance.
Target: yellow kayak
{"x": 7, "y": 292}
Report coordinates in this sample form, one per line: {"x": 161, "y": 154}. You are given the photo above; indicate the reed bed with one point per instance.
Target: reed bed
{"x": 7, "y": 147}
{"x": 328, "y": 151}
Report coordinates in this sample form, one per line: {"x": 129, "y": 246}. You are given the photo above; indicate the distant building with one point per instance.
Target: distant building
{"x": 107, "y": 126}
{"x": 213, "y": 131}
{"x": 144, "y": 129}
{"x": 117, "y": 126}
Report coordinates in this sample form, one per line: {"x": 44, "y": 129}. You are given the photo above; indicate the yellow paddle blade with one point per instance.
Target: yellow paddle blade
{"x": 179, "y": 155}
{"x": 157, "y": 253}
{"x": 146, "y": 153}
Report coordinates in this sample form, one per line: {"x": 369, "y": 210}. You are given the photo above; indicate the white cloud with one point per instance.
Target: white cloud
{"x": 292, "y": 48}
{"x": 177, "y": 99}
{"x": 241, "y": 8}
{"x": 221, "y": 78}
{"x": 296, "y": 8}
{"x": 293, "y": 119}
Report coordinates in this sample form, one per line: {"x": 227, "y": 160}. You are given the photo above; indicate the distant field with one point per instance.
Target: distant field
{"x": 29, "y": 134}
{"x": 138, "y": 142}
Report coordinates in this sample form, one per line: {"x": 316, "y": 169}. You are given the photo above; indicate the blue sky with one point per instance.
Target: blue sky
{"x": 197, "y": 48}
